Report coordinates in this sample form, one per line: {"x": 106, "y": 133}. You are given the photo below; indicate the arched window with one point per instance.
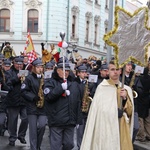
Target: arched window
{"x": 95, "y": 33}
{"x": 33, "y": 20}
{"x": 87, "y": 31}
{"x": 4, "y": 20}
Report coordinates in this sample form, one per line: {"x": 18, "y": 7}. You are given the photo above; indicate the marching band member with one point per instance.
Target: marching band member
{"x": 81, "y": 80}
{"x": 32, "y": 92}
{"x": 62, "y": 103}
{"x": 15, "y": 104}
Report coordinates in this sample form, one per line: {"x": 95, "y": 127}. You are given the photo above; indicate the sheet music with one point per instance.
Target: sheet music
{"x": 93, "y": 78}
{"x": 23, "y": 72}
{"x": 48, "y": 74}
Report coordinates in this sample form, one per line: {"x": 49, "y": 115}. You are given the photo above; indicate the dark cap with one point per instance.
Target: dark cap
{"x": 82, "y": 68}
{"x": 60, "y": 63}
{"x": 53, "y": 62}
{"x": 104, "y": 67}
{"x": 49, "y": 65}
{"x": 37, "y": 62}
{"x": 18, "y": 60}
{"x": 7, "y": 43}
{"x": 7, "y": 62}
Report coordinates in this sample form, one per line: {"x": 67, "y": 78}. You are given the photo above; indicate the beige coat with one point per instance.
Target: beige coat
{"x": 102, "y": 128}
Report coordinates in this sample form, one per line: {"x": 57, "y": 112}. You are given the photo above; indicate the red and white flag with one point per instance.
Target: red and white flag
{"x": 29, "y": 49}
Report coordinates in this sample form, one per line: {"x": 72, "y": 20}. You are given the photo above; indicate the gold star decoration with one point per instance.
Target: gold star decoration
{"x": 130, "y": 37}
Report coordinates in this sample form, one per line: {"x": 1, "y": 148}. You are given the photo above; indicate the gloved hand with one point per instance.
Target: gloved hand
{"x": 36, "y": 98}
{"x": 67, "y": 92}
{"x": 120, "y": 113}
{"x": 64, "y": 85}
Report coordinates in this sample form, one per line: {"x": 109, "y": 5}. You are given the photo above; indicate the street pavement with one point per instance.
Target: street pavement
{"x": 45, "y": 144}
{"x": 18, "y": 146}
{"x": 142, "y": 145}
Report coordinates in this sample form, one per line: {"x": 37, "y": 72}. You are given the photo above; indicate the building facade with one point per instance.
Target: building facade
{"x": 83, "y": 21}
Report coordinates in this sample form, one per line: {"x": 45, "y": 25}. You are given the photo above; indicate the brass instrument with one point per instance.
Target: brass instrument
{"x": 86, "y": 99}
{"x": 40, "y": 103}
{"x": 2, "y": 71}
{"x": 135, "y": 95}
{"x": 22, "y": 78}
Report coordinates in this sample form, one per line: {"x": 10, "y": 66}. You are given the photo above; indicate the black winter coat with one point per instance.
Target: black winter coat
{"x": 13, "y": 98}
{"x": 144, "y": 103}
{"x": 29, "y": 90}
{"x": 81, "y": 88}
{"x": 4, "y": 87}
{"x": 62, "y": 110}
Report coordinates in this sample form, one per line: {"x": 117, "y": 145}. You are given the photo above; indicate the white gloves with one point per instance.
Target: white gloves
{"x": 64, "y": 85}
{"x": 67, "y": 92}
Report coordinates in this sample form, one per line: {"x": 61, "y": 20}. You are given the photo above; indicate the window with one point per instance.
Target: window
{"x": 116, "y": 2}
{"x": 87, "y": 31}
{"x": 73, "y": 26}
{"x": 96, "y": 1}
{"x": 4, "y": 20}
{"x": 95, "y": 34}
{"x": 33, "y": 20}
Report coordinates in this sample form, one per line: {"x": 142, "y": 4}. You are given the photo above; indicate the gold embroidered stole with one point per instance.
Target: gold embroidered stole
{"x": 125, "y": 139}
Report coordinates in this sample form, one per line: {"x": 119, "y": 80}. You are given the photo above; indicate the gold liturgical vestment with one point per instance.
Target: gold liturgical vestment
{"x": 103, "y": 129}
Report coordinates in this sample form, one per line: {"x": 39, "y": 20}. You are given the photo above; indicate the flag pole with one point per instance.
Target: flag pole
{"x": 62, "y": 35}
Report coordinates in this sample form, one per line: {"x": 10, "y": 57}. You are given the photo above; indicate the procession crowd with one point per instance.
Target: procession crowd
{"x": 88, "y": 98}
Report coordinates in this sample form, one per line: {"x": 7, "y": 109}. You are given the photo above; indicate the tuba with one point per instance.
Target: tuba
{"x": 86, "y": 99}
{"x": 40, "y": 103}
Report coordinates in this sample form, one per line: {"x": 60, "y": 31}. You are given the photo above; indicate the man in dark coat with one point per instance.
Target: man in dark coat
{"x": 143, "y": 107}
{"x": 62, "y": 102}
{"x": 15, "y": 104}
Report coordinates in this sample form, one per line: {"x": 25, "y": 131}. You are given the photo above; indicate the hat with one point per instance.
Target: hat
{"x": 7, "y": 62}
{"x": 18, "y": 60}
{"x": 53, "y": 62}
{"x": 98, "y": 62}
{"x": 37, "y": 62}
{"x": 49, "y": 65}
{"x": 7, "y": 43}
{"x": 60, "y": 63}
{"x": 82, "y": 68}
{"x": 104, "y": 67}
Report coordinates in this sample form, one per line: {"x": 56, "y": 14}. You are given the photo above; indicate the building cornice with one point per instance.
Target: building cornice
{"x": 6, "y": 3}
{"x": 33, "y": 3}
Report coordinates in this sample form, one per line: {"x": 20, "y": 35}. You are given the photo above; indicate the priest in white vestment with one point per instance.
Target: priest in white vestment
{"x": 105, "y": 128}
